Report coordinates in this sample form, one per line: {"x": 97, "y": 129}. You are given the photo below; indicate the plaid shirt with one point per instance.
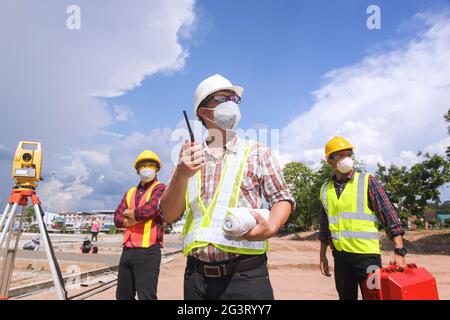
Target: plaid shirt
{"x": 262, "y": 177}
{"x": 150, "y": 210}
{"x": 378, "y": 202}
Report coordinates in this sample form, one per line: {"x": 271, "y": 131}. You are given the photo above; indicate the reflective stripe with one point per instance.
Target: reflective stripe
{"x": 361, "y": 194}
{"x": 324, "y": 197}
{"x": 206, "y": 235}
{"x": 335, "y": 236}
{"x": 147, "y": 233}
{"x": 351, "y": 215}
{"x": 130, "y": 193}
{"x": 333, "y": 220}
{"x": 359, "y": 235}
{"x": 189, "y": 239}
{"x": 359, "y": 216}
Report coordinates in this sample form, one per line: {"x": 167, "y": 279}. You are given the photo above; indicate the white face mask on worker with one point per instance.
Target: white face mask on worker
{"x": 147, "y": 174}
{"x": 345, "y": 165}
{"x": 227, "y": 115}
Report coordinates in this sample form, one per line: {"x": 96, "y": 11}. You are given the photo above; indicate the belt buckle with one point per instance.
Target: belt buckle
{"x": 215, "y": 271}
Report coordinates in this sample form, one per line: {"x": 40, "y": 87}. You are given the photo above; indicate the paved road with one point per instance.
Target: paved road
{"x": 69, "y": 242}
{"x": 108, "y": 259}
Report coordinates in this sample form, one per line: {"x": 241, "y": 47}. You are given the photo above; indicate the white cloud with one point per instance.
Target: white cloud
{"x": 439, "y": 147}
{"x": 59, "y": 72}
{"x": 52, "y": 79}
{"x": 95, "y": 157}
{"x": 122, "y": 113}
{"x": 390, "y": 105}
{"x": 76, "y": 169}
{"x": 97, "y": 179}
{"x": 60, "y": 196}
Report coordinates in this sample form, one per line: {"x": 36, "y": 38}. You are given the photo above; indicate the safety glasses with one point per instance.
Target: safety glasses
{"x": 340, "y": 155}
{"x": 218, "y": 99}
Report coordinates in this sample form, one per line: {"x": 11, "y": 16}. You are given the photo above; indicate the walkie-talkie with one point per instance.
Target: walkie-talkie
{"x": 188, "y": 125}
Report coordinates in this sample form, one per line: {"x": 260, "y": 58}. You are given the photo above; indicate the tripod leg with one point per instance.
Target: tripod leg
{"x": 54, "y": 267}
{"x": 8, "y": 225}
{"x": 9, "y": 258}
{"x": 4, "y": 215}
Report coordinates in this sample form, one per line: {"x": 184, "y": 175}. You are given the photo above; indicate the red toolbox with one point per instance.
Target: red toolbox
{"x": 389, "y": 283}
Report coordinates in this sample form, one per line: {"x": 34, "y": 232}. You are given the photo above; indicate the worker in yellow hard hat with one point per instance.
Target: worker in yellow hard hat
{"x": 353, "y": 204}
{"x": 139, "y": 213}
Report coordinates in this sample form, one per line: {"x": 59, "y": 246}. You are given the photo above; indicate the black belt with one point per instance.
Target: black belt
{"x": 218, "y": 270}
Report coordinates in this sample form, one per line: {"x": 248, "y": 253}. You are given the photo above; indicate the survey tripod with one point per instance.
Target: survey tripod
{"x": 19, "y": 197}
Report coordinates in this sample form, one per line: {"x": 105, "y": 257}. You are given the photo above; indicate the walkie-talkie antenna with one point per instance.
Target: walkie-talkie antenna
{"x": 188, "y": 125}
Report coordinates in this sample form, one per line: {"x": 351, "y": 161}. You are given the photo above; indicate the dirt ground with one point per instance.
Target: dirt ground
{"x": 294, "y": 269}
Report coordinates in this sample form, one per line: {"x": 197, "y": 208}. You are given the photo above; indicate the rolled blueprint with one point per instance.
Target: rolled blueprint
{"x": 239, "y": 220}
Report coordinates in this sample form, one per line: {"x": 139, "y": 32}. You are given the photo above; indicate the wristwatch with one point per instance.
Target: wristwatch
{"x": 400, "y": 251}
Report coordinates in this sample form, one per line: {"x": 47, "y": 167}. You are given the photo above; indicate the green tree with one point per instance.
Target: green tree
{"x": 113, "y": 229}
{"x": 419, "y": 224}
{"x": 432, "y": 222}
{"x": 410, "y": 189}
{"x": 447, "y": 222}
{"x": 447, "y": 119}
{"x": 28, "y": 215}
{"x": 305, "y": 185}
{"x": 300, "y": 179}
{"x": 168, "y": 228}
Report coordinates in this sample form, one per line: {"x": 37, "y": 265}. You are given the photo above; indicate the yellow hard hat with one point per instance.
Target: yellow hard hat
{"x": 148, "y": 155}
{"x": 337, "y": 144}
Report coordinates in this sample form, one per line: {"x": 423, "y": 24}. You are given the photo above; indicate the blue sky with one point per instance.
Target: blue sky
{"x": 97, "y": 96}
{"x": 278, "y": 51}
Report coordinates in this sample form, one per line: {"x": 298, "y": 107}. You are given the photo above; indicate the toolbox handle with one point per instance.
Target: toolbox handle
{"x": 395, "y": 268}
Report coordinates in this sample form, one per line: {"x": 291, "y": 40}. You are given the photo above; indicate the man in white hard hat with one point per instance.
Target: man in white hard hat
{"x": 225, "y": 172}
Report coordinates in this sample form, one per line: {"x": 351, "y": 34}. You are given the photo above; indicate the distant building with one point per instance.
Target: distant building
{"x": 49, "y": 218}
{"x": 79, "y": 220}
{"x": 442, "y": 216}
{"x": 439, "y": 215}
{"x": 105, "y": 218}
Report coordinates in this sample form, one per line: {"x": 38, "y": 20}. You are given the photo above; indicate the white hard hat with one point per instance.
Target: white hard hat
{"x": 210, "y": 85}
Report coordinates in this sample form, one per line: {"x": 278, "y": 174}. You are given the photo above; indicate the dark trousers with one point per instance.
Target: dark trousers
{"x": 252, "y": 284}
{"x": 94, "y": 235}
{"x": 350, "y": 270}
{"x": 138, "y": 273}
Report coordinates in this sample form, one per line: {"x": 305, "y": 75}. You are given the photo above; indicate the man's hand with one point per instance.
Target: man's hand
{"x": 191, "y": 159}
{"x": 128, "y": 213}
{"x": 129, "y": 220}
{"x": 324, "y": 266}
{"x": 396, "y": 259}
{"x": 263, "y": 230}
{"x": 399, "y": 261}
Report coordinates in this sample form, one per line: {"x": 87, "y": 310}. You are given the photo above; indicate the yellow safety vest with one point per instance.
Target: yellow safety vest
{"x": 353, "y": 226}
{"x": 204, "y": 225}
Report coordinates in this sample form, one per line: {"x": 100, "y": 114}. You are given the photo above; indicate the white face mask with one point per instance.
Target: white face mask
{"x": 147, "y": 174}
{"x": 345, "y": 165}
{"x": 227, "y": 115}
